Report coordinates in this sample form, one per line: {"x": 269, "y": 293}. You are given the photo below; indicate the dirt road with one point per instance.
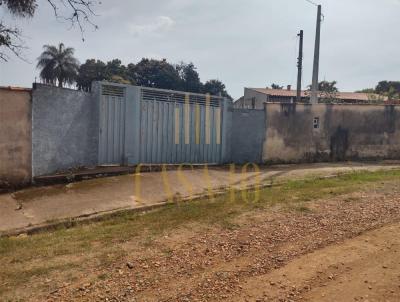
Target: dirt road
{"x": 366, "y": 268}
{"x": 318, "y": 240}
{"x": 309, "y": 254}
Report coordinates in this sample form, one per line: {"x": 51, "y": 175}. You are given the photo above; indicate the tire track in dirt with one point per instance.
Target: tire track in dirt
{"x": 217, "y": 265}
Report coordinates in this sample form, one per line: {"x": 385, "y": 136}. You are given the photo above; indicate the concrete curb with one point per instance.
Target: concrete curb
{"x": 101, "y": 216}
{"x": 79, "y": 220}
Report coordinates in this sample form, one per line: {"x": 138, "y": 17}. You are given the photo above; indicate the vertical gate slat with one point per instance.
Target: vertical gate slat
{"x": 122, "y": 129}
{"x": 193, "y": 134}
{"x": 158, "y": 126}
{"x": 117, "y": 123}
{"x": 109, "y": 132}
{"x": 149, "y": 133}
{"x": 159, "y": 133}
{"x": 202, "y": 140}
{"x": 169, "y": 133}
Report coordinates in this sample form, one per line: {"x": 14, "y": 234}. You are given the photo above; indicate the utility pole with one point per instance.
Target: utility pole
{"x": 314, "y": 88}
{"x": 299, "y": 67}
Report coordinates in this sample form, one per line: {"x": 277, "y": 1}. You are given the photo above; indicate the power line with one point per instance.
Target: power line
{"x": 313, "y": 3}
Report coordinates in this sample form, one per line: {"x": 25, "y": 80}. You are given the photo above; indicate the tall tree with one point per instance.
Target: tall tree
{"x": 58, "y": 65}
{"x": 328, "y": 87}
{"x": 157, "y": 73}
{"x": 391, "y": 89}
{"x": 150, "y": 73}
{"x": 131, "y": 73}
{"x": 115, "y": 69}
{"x": 76, "y": 12}
{"x": 328, "y": 91}
{"x": 90, "y": 71}
{"x": 216, "y": 87}
{"x": 190, "y": 77}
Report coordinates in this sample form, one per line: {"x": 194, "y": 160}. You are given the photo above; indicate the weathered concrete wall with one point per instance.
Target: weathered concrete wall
{"x": 346, "y": 132}
{"x": 64, "y": 129}
{"x": 15, "y": 137}
{"x": 248, "y": 134}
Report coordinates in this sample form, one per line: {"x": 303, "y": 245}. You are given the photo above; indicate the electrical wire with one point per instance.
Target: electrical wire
{"x": 313, "y": 3}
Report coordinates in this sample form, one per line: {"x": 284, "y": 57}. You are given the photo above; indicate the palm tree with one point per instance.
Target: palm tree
{"x": 58, "y": 65}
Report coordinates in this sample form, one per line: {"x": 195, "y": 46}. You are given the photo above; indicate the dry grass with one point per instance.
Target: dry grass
{"x": 63, "y": 251}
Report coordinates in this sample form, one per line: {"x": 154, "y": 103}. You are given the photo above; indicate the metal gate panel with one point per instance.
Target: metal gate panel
{"x": 112, "y": 125}
{"x": 179, "y": 128}
{"x": 154, "y": 126}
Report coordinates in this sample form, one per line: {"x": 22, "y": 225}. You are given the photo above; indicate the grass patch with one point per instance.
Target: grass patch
{"x": 102, "y": 239}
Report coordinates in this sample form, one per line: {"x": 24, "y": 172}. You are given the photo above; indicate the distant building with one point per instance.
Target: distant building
{"x": 254, "y": 98}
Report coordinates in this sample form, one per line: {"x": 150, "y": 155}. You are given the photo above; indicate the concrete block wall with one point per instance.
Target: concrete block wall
{"x": 64, "y": 129}
{"x": 344, "y": 132}
{"x": 65, "y": 132}
{"x": 15, "y": 137}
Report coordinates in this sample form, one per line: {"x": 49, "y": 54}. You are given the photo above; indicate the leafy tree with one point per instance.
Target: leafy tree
{"x": 391, "y": 89}
{"x": 216, "y": 87}
{"x": 76, "y": 11}
{"x": 115, "y": 68}
{"x": 58, "y": 65}
{"x": 328, "y": 87}
{"x": 90, "y": 71}
{"x": 276, "y": 86}
{"x": 366, "y": 90}
{"x": 150, "y": 73}
{"x": 113, "y": 71}
{"x": 157, "y": 73}
{"x": 190, "y": 77}
{"x": 131, "y": 73}
{"x": 328, "y": 91}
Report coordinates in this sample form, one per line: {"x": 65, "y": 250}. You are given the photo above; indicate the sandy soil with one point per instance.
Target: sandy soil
{"x": 342, "y": 249}
{"x": 366, "y": 268}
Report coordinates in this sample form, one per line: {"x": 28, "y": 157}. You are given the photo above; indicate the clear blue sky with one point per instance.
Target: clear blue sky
{"x": 248, "y": 43}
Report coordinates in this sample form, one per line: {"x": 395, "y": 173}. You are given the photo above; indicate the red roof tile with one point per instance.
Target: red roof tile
{"x": 355, "y": 96}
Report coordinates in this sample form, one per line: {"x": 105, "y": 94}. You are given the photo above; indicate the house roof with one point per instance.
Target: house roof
{"x": 350, "y": 96}
{"x": 239, "y": 99}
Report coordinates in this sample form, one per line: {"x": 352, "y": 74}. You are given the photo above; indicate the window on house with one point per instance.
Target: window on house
{"x": 316, "y": 122}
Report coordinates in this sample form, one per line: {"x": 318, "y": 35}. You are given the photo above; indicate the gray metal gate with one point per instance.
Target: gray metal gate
{"x": 179, "y": 128}
{"x": 155, "y": 126}
{"x": 112, "y": 125}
